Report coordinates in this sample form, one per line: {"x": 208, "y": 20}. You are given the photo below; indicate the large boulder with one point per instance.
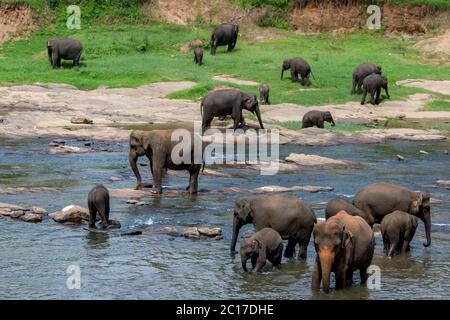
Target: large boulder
{"x": 71, "y": 215}
{"x": 312, "y": 160}
{"x": 31, "y": 217}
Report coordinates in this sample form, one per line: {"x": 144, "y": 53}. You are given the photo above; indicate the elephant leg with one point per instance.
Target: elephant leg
{"x": 260, "y": 262}
{"x": 290, "y": 249}
{"x": 321, "y": 124}
{"x": 349, "y": 277}
{"x": 316, "y": 276}
{"x": 377, "y": 96}
{"x": 303, "y": 244}
{"x": 363, "y": 99}
{"x": 278, "y": 256}
{"x": 392, "y": 248}
{"x": 193, "y": 181}
{"x": 340, "y": 278}
{"x": 103, "y": 211}
{"x": 253, "y": 259}
{"x": 353, "y": 87}
{"x": 206, "y": 123}
{"x": 92, "y": 215}
{"x": 158, "y": 172}
{"x": 363, "y": 274}
{"x": 230, "y": 47}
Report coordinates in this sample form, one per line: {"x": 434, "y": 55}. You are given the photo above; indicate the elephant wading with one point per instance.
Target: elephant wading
{"x": 336, "y": 205}
{"x": 266, "y": 244}
{"x": 221, "y": 103}
{"x": 98, "y": 202}
{"x": 398, "y": 229}
{"x": 380, "y": 199}
{"x": 344, "y": 244}
{"x": 298, "y": 66}
{"x": 67, "y": 49}
{"x": 373, "y": 84}
{"x": 362, "y": 71}
{"x": 292, "y": 218}
{"x": 317, "y": 118}
{"x": 157, "y": 145}
{"x": 224, "y": 34}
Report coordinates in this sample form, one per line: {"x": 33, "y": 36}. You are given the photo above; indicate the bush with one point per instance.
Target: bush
{"x": 274, "y": 19}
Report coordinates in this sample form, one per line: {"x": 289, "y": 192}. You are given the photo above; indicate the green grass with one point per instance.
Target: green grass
{"x": 438, "y": 4}
{"x": 416, "y": 124}
{"x": 437, "y": 105}
{"x": 341, "y": 127}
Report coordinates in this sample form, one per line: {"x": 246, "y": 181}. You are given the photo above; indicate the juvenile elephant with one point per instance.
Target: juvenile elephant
{"x": 298, "y": 66}
{"x": 344, "y": 244}
{"x": 380, "y": 199}
{"x": 336, "y": 205}
{"x": 361, "y": 72}
{"x": 373, "y": 84}
{"x": 67, "y": 49}
{"x": 198, "y": 56}
{"x": 157, "y": 145}
{"x": 98, "y": 202}
{"x": 266, "y": 244}
{"x": 317, "y": 118}
{"x": 264, "y": 94}
{"x": 398, "y": 229}
{"x": 224, "y": 34}
{"x": 220, "y": 103}
{"x": 291, "y": 217}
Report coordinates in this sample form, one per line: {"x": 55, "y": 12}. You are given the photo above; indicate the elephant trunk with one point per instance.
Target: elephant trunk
{"x": 244, "y": 264}
{"x": 426, "y": 218}
{"x": 326, "y": 262}
{"x": 258, "y": 115}
{"x": 132, "y": 157}
{"x": 236, "y": 227}
{"x": 282, "y": 71}
{"x": 332, "y": 123}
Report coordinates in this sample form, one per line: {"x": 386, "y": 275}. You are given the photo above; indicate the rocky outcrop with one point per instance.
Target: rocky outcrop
{"x": 63, "y": 149}
{"x": 311, "y": 160}
{"x": 34, "y": 214}
{"x": 71, "y": 215}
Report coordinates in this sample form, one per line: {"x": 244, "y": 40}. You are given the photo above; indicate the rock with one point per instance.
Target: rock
{"x": 77, "y": 120}
{"x": 114, "y": 224}
{"x": 8, "y": 206}
{"x": 167, "y": 230}
{"x": 5, "y": 212}
{"x": 443, "y": 184}
{"x": 31, "y": 217}
{"x": 68, "y": 149}
{"x": 132, "y": 201}
{"x": 40, "y": 211}
{"x": 143, "y": 164}
{"x": 59, "y": 141}
{"x": 436, "y": 201}
{"x": 314, "y": 160}
{"x": 446, "y": 152}
{"x": 210, "y": 232}
{"x": 275, "y": 188}
{"x": 87, "y": 144}
{"x": 71, "y": 214}
{"x": 140, "y": 203}
{"x": 423, "y": 152}
{"x": 115, "y": 179}
{"x": 401, "y": 116}
{"x": 191, "y": 232}
{"x": 17, "y": 214}
{"x": 400, "y": 157}
{"x": 218, "y": 238}
{"x": 53, "y": 144}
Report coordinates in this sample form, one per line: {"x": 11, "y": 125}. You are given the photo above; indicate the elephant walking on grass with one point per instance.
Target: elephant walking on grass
{"x": 298, "y": 66}
{"x": 67, "y": 49}
{"x": 292, "y": 218}
{"x": 373, "y": 84}
{"x": 398, "y": 229}
{"x": 224, "y": 34}
{"x": 362, "y": 71}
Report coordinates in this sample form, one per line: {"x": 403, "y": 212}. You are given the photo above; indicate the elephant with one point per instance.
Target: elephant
{"x": 264, "y": 94}
{"x": 265, "y": 244}
{"x": 220, "y": 103}
{"x": 344, "y": 244}
{"x": 67, "y": 49}
{"x": 157, "y": 145}
{"x": 373, "y": 84}
{"x": 398, "y": 229}
{"x": 293, "y": 218}
{"x": 317, "y": 118}
{"x": 198, "y": 56}
{"x": 361, "y": 72}
{"x": 98, "y": 202}
{"x": 336, "y": 205}
{"x": 380, "y": 199}
{"x": 224, "y": 34}
{"x": 298, "y": 66}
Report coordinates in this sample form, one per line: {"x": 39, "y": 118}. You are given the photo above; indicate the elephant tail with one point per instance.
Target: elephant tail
{"x": 201, "y": 108}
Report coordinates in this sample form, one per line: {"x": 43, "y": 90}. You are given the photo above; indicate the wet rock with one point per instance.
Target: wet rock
{"x": 400, "y": 157}
{"x": 443, "y": 184}
{"x": 140, "y": 203}
{"x": 275, "y": 188}
{"x": 191, "y": 232}
{"x": 59, "y": 141}
{"x": 132, "y": 201}
{"x": 115, "y": 179}
{"x": 87, "y": 144}
{"x": 316, "y": 161}
{"x": 218, "y": 238}
{"x": 39, "y": 211}
{"x": 79, "y": 120}
{"x": 71, "y": 214}
{"x": 31, "y": 217}
{"x": 10, "y": 207}
{"x": 171, "y": 231}
{"x": 114, "y": 224}
{"x": 17, "y": 214}
{"x": 423, "y": 152}
{"x": 68, "y": 149}
{"x": 5, "y": 212}
{"x": 436, "y": 201}
{"x": 210, "y": 232}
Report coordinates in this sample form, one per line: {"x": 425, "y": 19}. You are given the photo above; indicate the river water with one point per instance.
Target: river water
{"x": 34, "y": 257}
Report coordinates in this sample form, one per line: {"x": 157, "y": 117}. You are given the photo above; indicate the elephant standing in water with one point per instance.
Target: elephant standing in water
{"x": 362, "y": 71}
{"x": 291, "y": 217}
{"x": 344, "y": 244}
{"x": 398, "y": 229}
{"x": 336, "y": 205}
{"x": 224, "y": 34}
{"x": 298, "y": 66}
{"x": 98, "y": 202}
{"x": 157, "y": 145}
{"x": 380, "y": 199}
{"x": 221, "y": 103}
{"x": 67, "y": 49}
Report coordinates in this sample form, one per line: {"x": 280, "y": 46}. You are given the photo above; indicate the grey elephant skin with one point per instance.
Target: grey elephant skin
{"x": 398, "y": 229}
{"x": 362, "y": 71}
{"x": 373, "y": 84}
{"x": 265, "y": 244}
{"x": 67, "y": 49}
{"x": 224, "y": 35}
{"x": 198, "y": 56}
{"x": 98, "y": 202}
{"x": 221, "y": 103}
{"x": 344, "y": 244}
{"x": 298, "y": 66}
{"x": 291, "y": 217}
{"x": 157, "y": 145}
{"x": 380, "y": 199}
{"x": 317, "y": 118}
{"x": 336, "y": 205}
{"x": 264, "y": 94}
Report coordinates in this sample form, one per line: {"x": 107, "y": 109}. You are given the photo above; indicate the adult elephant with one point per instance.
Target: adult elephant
{"x": 293, "y": 218}
{"x": 362, "y": 71}
{"x": 157, "y": 145}
{"x": 224, "y": 34}
{"x": 336, "y": 205}
{"x": 298, "y": 66}
{"x": 67, "y": 49}
{"x": 380, "y": 199}
{"x": 344, "y": 244}
{"x": 221, "y": 103}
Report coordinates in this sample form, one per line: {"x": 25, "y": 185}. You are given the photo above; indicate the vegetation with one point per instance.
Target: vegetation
{"x": 415, "y": 124}
{"x": 437, "y": 105}
{"x": 344, "y": 127}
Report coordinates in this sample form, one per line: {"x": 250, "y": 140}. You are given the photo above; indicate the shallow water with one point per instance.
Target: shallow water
{"x": 34, "y": 257}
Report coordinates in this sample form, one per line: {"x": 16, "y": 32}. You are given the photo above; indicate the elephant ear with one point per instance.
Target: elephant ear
{"x": 256, "y": 246}
{"x": 244, "y": 209}
{"x": 347, "y": 237}
{"x": 416, "y": 203}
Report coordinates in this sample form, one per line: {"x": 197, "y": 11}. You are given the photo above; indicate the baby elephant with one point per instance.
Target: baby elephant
{"x": 336, "y": 205}
{"x": 373, "y": 85}
{"x": 198, "y": 56}
{"x": 98, "y": 201}
{"x": 398, "y": 229}
{"x": 317, "y": 118}
{"x": 266, "y": 244}
{"x": 362, "y": 71}
{"x": 264, "y": 94}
